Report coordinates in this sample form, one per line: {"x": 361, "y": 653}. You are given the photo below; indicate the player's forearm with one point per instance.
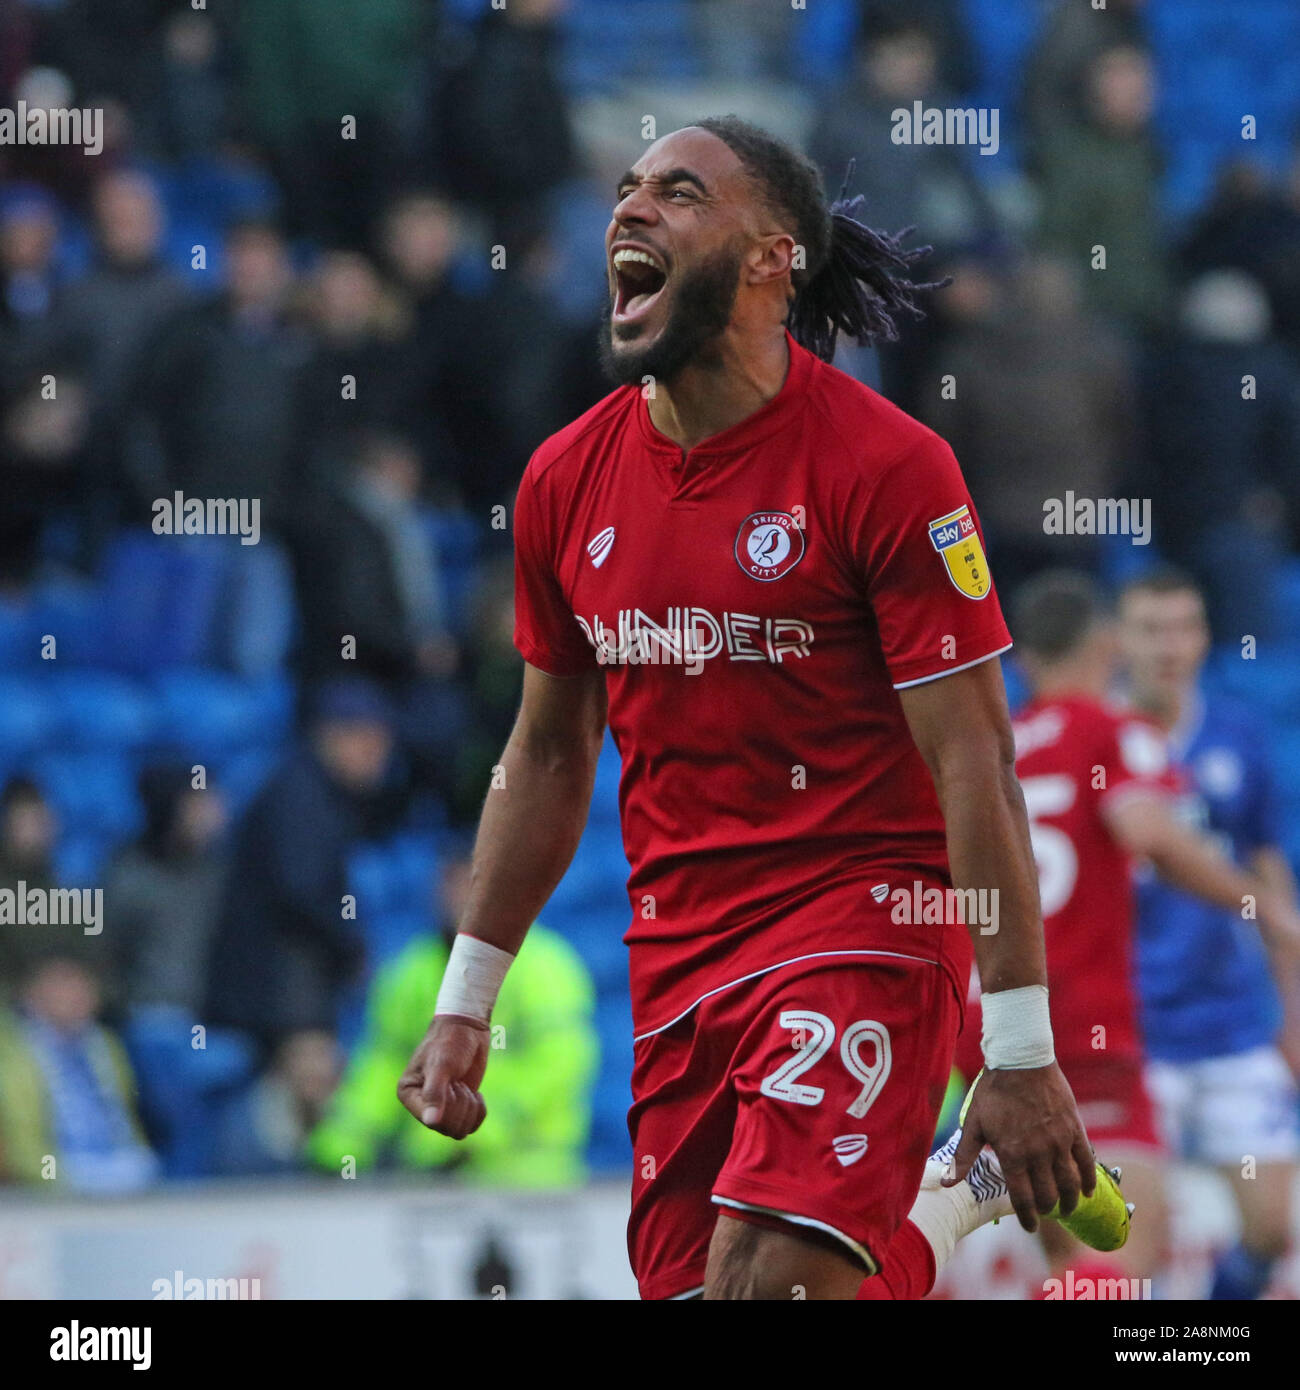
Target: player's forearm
{"x": 988, "y": 848}
{"x": 530, "y": 827}
{"x": 1193, "y": 863}
{"x": 1274, "y": 871}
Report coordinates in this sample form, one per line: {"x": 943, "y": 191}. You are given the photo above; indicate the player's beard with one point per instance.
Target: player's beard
{"x": 703, "y": 297}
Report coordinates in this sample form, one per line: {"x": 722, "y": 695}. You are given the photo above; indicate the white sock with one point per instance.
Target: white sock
{"x": 944, "y": 1215}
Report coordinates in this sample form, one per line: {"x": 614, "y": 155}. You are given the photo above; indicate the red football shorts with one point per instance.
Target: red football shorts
{"x": 1113, "y": 1103}
{"x": 810, "y": 1092}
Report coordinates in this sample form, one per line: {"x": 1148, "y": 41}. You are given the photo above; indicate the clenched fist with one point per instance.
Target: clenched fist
{"x": 440, "y": 1084}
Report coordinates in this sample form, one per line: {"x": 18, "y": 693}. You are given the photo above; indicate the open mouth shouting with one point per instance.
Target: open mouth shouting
{"x": 639, "y": 280}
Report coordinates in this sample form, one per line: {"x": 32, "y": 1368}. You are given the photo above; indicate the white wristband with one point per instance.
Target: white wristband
{"x": 1017, "y": 1029}
{"x": 472, "y": 979}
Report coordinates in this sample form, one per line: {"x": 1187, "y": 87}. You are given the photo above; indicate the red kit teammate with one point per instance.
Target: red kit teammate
{"x": 771, "y": 583}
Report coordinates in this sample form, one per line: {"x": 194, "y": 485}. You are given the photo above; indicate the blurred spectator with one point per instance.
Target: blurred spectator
{"x": 66, "y": 1088}
{"x": 162, "y": 899}
{"x": 63, "y": 169}
{"x": 743, "y": 40}
{"x": 367, "y": 568}
{"x": 192, "y": 113}
{"x": 487, "y": 393}
{"x": 1041, "y": 404}
{"x": 106, "y": 51}
{"x": 128, "y": 293}
{"x": 17, "y": 36}
{"x": 1099, "y": 190}
{"x": 28, "y": 831}
{"x": 44, "y": 466}
{"x": 1225, "y": 482}
{"x": 494, "y": 682}
{"x": 543, "y": 1065}
{"x": 213, "y": 413}
{"x": 362, "y": 332}
{"x": 944, "y": 21}
{"x": 306, "y": 66}
{"x": 925, "y": 185}
{"x": 287, "y": 945}
{"x": 29, "y": 233}
{"x": 502, "y": 124}
{"x": 111, "y": 313}
{"x": 1250, "y": 225}
{"x": 1055, "y": 91}
{"x": 264, "y": 1130}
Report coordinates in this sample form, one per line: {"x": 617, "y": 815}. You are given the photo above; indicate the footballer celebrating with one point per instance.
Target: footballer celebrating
{"x": 770, "y": 583}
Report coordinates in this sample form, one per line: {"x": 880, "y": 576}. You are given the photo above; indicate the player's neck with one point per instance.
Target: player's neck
{"x": 1062, "y": 682}
{"x": 705, "y": 399}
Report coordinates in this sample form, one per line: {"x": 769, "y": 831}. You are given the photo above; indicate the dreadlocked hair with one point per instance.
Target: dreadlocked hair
{"x": 853, "y": 280}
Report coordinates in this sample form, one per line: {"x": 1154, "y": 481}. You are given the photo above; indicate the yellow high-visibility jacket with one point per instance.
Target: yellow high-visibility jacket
{"x": 540, "y": 1072}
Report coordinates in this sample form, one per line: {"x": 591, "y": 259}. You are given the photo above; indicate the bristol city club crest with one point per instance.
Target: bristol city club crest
{"x": 768, "y": 545}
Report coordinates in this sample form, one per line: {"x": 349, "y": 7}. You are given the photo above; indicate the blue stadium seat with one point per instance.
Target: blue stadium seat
{"x": 18, "y": 644}
{"x": 91, "y": 793}
{"x": 243, "y": 775}
{"x": 1014, "y": 679}
{"x": 610, "y": 1148}
{"x": 81, "y": 859}
{"x": 161, "y": 601}
{"x": 609, "y": 40}
{"x": 388, "y": 934}
{"x": 213, "y": 716}
{"x": 97, "y": 711}
{"x": 459, "y": 543}
{"x": 397, "y": 877}
{"x": 604, "y": 797}
{"x": 598, "y": 939}
{"x": 1288, "y": 602}
{"x": 27, "y": 720}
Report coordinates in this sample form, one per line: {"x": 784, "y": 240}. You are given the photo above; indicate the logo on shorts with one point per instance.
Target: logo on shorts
{"x": 768, "y": 545}
{"x": 849, "y": 1147}
{"x": 955, "y": 538}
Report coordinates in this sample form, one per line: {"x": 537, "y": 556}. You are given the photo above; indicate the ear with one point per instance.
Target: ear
{"x": 771, "y": 258}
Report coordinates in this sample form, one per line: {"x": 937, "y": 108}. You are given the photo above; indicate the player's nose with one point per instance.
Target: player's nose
{"x": 635, "y": 208}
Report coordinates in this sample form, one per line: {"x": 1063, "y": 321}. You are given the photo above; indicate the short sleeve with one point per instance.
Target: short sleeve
{"x": 547, "y": 634}
{"x": 919, "y": 548}
{"x": 1136, "y": 762}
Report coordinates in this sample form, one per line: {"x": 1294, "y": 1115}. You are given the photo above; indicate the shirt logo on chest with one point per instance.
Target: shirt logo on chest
{"x": 599, "y": 546}
{"x": 768, "y": 545}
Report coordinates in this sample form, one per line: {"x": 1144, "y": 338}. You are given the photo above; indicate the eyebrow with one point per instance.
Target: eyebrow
{"x": 678, "y": 175}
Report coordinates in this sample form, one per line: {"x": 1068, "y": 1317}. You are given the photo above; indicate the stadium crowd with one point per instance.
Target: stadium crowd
{"x": 344, "y": 258}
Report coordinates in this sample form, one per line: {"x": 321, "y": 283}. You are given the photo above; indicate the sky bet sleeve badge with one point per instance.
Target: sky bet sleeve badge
{"x": 955, "y": 538}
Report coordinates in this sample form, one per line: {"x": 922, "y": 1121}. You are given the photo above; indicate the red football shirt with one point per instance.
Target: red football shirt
{"x": 1075, "y": 756}
{"x": 755, "y": 606}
